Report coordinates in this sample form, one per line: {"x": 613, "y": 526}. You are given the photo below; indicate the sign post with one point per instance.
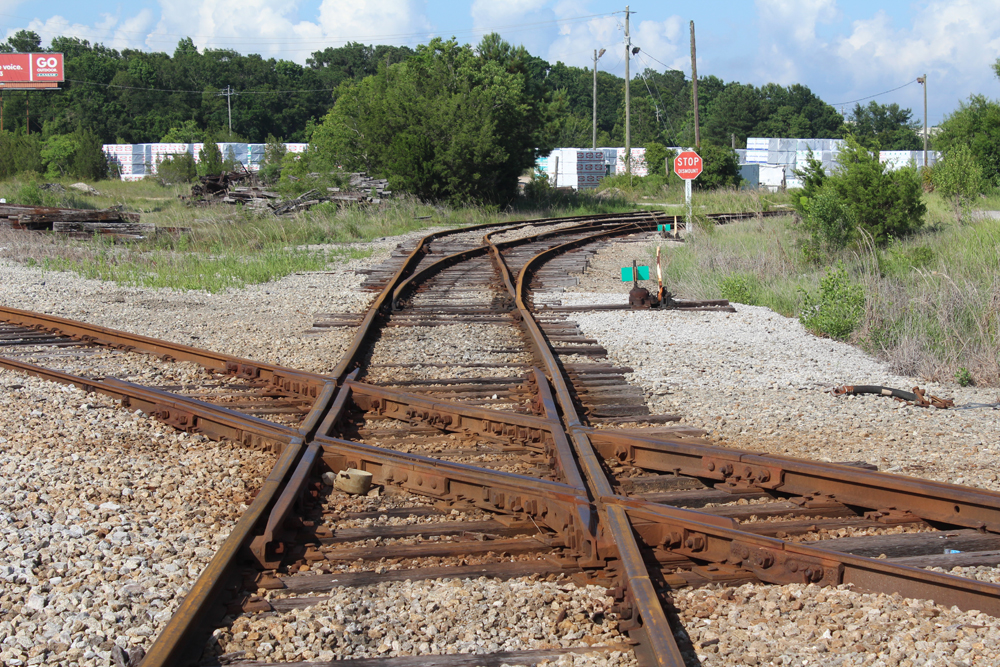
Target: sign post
{"x": 688, "y": 166}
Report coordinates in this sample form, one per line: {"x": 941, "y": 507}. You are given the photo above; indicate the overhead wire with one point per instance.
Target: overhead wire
{"x": 662, "y": 103}
{"x": 199, "y": 92}
{"x": 885, "y": 92}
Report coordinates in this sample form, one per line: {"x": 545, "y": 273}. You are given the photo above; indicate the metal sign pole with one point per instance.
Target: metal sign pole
{"x": 687, "y": 196}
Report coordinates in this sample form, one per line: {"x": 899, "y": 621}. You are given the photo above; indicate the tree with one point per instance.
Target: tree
{"x": 445, "y": 124}
{"x": 743, "y": 110}
{"x": 657, "y": 156}
{"x": 959, "y": 179}
{"x": 720, "y": 167}
{"x": 23, "y": 41}
{"x": 975, "y": 124}
{"x": 89, "y": 161}
{"x": 884, "y": 127}
{"x": 210, "y": 158}
{"x": 57, "y": 154}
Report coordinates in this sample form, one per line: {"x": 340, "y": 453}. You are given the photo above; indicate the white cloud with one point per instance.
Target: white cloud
{"x": 954, "y": 43}
{"x": 110, "y": 30}
{"x": 271, "y": 28}
{"x": 666, "y": 41}
{"x": 521, "y": 22}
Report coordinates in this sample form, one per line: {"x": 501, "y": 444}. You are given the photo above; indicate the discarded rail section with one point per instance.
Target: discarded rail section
{"x": 621, "y": 508}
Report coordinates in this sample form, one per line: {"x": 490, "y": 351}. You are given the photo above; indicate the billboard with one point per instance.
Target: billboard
{"x": 31, "y": 70}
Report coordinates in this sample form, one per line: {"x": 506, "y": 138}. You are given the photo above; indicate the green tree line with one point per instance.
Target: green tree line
{"x": 133, "y": 96}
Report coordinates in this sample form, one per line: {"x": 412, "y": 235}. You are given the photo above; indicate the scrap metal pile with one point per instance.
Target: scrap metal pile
{"x": 244, "y": 188}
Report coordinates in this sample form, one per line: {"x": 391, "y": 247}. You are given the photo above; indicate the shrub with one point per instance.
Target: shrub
{"x": 178, "y": 168}
{"x": 209, "y": 158}
{"x": 829, "y": 221}
{"x": 963, "y": 377}
{"x": 838, "y": 308}
{"x": 89, "y": 161}
{"x": 657, "y": 156}
{"x": 862, "y": 197}
{"x": 959, "y": 178}
{"x": 19, "y": 153}
{"x": 813, "y": 176}
{"x": 886, "y": 204}
{"x": 721, "y": 168}
{"x": 741, "y": 288}
{"x": 274, "y": 153}
{"x": 57, "y": 154}
{"x": 539, "y": 188}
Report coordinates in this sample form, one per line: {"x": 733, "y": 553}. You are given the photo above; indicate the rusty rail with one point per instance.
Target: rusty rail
{"x": 582, "y": 513}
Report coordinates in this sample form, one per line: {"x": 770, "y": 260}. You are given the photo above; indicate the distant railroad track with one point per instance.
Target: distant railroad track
{"x": 514, "y": 440}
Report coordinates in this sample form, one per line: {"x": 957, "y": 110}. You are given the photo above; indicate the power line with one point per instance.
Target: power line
{"x": 662, "y": 103}
{"x": 886, "y": 92}
{"x": 662, "y": 63}
{"x": 199, "y": 92}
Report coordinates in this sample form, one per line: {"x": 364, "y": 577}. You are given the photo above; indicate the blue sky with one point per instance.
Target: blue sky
{"x": 842, "y": 49}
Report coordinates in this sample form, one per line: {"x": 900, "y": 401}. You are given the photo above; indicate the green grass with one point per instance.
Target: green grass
{"x": 932, "y": 301}
{"x": 669, "y": 192}
{"x": 223, "y": 247}
{"x": 191, "y": 271}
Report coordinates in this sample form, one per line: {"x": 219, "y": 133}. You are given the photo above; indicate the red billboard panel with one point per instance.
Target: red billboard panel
{"x": 35, "y": 69}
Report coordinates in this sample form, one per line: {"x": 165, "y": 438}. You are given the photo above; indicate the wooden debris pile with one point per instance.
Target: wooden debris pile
{"x": 75, "y": 221}
{"x": 243, "y": 188}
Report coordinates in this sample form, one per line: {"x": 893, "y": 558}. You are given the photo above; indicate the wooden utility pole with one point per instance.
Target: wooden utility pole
{"x": 596, "y": 56}
{"x": 229, "y": 96}
{"x": 628, "y": 99}
{"x": 694, "y": 88}
{"x": 923, "y": 80}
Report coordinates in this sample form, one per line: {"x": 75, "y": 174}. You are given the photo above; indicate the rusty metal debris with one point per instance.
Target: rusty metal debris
{"x": 915, "y": 397}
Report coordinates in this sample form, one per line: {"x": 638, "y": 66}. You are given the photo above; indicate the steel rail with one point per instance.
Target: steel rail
{"x": 560, "y": 507}
{"x": 294, "y": 381}
{"x": 634, "y": 573}
{"x": 185, "y": 626}
{"x": 590, "y": 222}
{"x": 383, "y": 303}
{"x": 930, "y": 500}
{"x": 181, "y": 412}
{"x": 181, "y": 639}
{"x": 777, "y": 561}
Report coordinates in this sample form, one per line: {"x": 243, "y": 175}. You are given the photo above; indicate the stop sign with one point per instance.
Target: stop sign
{"x": 688, "y": 165}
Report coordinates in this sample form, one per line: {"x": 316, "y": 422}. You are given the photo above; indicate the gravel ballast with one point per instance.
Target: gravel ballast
{"x": 108, "y": 516}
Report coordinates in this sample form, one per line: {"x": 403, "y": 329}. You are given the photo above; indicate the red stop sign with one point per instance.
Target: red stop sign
{"x": 688, "y": 165}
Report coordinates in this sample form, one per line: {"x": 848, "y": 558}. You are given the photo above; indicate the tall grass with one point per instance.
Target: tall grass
{"x": 669, "y": 191}
{"x": 220, "y": 247}
{"x": 932, "y": 301}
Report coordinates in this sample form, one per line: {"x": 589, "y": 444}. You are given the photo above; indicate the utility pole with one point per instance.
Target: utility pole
{"x": 923, "y": 80}
{"x": 694, "y": 88}
{"x": 229, "y": 95}
{"x": 596, "y": 56}
{"x": 628, "y": 99}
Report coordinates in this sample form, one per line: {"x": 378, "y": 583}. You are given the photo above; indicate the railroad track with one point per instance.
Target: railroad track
{"x": 495, "y": 434}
